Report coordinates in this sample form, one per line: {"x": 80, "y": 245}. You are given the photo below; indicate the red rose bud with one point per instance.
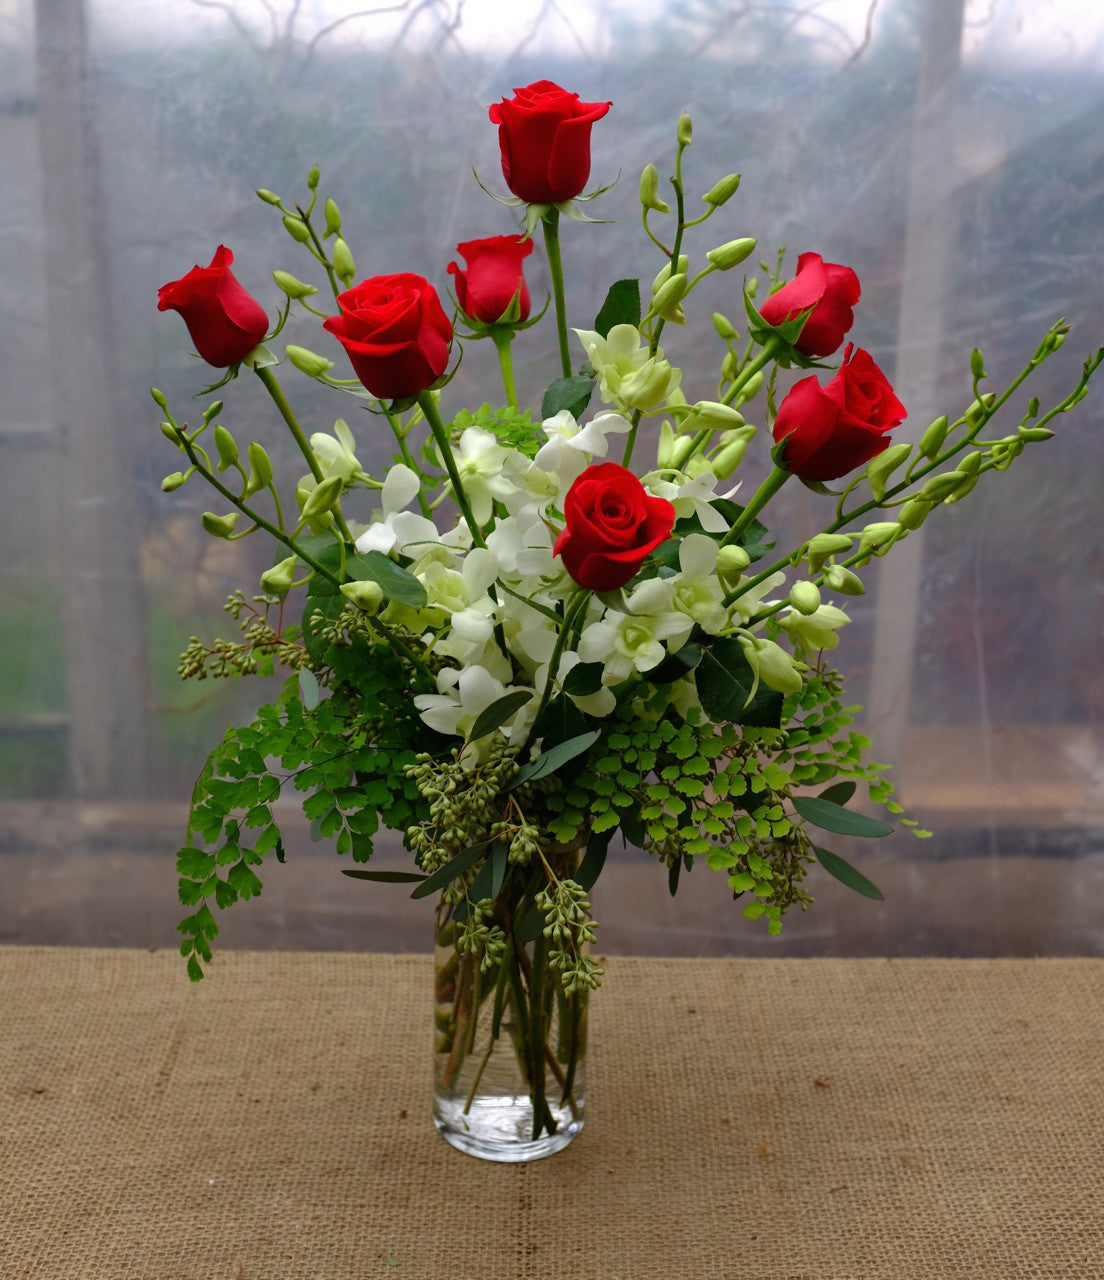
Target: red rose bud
{"x": 224, "y": 321}
{"x": 395, "y": 333}
{"x": 830, "y": 289}
{"x": 829, "y": 431}
{"x": 486, "y": 290}
{"x": 544, "y": 136}
{"x": 612, "y": 525}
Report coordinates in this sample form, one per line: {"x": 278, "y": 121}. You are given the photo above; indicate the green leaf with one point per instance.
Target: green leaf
{"x": 394, "y": 581}
{"x": 453, "y": 868}
{"x": 675, "y": 665}
{"x": 572, "y": 394}
{"x": 387, "y": 877}
{"x": 494, "y": 716}
{"x": 846, "y": 874}
{"x": 834, "y": 817}
{"x": 560, "y": 720}
{"x": 725, "y": 680}
{"x": 622, "y": 306}
{"x": 583, "y": 679}
{"x": 551, "y": 760}
{"x": 839, "y": 792}
{"x": 310, "y": 693}
{"x": 590, "y": 868}
{"x": 488, "y": 883}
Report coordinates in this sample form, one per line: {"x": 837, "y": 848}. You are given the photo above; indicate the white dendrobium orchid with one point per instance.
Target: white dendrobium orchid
{"x": 817, "y": 630}
{"x": 628, "y": 374}
{"x": 395, "y": 528}
{"x": 336, "y": 456}
{"x": 698, "y": 592}
{"x": 479, "y": 461}
{"x": 634, "y": 642}
{"x": 571, "y": 446}
{"x": 693, "y": 496}
{"x": 772, "y": 664}
{"x": 463, "y": 695}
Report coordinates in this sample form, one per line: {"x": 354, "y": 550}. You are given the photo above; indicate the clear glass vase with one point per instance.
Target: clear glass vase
{"x": 509, "y": 1044}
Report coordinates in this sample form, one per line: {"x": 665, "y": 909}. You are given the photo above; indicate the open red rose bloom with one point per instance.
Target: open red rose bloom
{"x": 831, "y": 430}
{"x": 612, "y": 525}
{"x": 395, "y": 333}
{"x": 544, "y": 136}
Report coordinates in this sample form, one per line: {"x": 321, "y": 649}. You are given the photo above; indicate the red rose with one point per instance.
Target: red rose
{"x": 612, "y": 526}
{"x": 493, "y": 278}
{"x": 395, "y": 333}
{"x": 224, "y": 321}
{"x": 544, "y": 134}
{"x": 831, "y": 430}
{"x": 830, "y": 289}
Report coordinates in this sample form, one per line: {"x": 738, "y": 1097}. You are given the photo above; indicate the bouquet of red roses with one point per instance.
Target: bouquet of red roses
{"x": 550, "y": 620}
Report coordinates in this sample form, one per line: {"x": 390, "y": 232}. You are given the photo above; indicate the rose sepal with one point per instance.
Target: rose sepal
{"x": 785, "y": 354}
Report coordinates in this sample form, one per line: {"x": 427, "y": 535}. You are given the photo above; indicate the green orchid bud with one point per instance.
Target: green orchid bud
{"x": 825, "y": 545}
{"x": 333, "y": 218}
{"x": 1035, "y": 433}
{"x": 730, "y": 366}
{"x": 731, "y": 453}
{"x": 839, "y": 578}
{"x": 227, "y": 448}
{"x": 977, "y": 364}
{"x": 269, "y": 197}
{"x": 879, "y": 469}
{"x": 365, "y": 595}
{"x": 277, "y": 581}
{"x": 296, "y": 228}
{"x": 962, "y": 490}
{"x": 212, "y": 411}
{"x": 308, "y": 362}
{"x": 772, "y": 664}
{"x": 712, "y": 415}
{"x": 159, "y": 399}
{"x": 294, "y": 288}
{"x": 343, "y": 264}
{"x": 173, "y": 481}
{"x": 805, "y": 597}
{"x": 731, "y": 563}
{"x": 171, "y": 433}
{"x": 913, "y": 514}
{"x": 649, "y": 190}
{"x": 646, "y": 387}
{"x": 260, "y": 470}
{"x": 932, "y": 439}
{"x": 667, "y": 297}
{"x": 727, "y": 256}
{"x": 314, "y": 177}
{"x": 322, "y": 498}
{"x": 219, "y": 526}
{"x": 877, "y": 537}
{"x": 724, "y": 327}
{"x": 723, "y": 191}
{"x": 668, "y": 270}
{"x": 665, "y": 448}
{"x": 979, "y": 408}
{"x": 942, "y": 486}
{"x": 685, "y": 130}
{"x": 750, "y": 389}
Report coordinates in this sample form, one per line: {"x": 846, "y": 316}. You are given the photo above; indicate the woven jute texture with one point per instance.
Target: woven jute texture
{"x": 768, "y": 1119}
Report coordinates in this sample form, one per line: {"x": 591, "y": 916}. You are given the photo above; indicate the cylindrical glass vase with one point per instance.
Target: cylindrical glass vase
{"x": 510, "y": 1045}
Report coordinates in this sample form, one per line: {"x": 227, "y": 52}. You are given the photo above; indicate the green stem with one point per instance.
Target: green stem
{"x": 766, "y": 355}
{"x": 762, "y": 496}
{"x": 502, "y": 335}
{"x": 551, "y": 225}
{"x": 272, "y": 386}
{"x": 444, "y": 447}
{"x": 577, "y": 604}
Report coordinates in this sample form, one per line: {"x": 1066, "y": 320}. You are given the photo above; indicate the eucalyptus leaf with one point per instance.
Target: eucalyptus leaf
{"x": 394, "y": 581}
{"x": 495, "y": 715}
{"x": 584, "y": 679}
{"x": 387, "y": 877}
{"x": 834, "y": 817}
{"x": 555, "y": 757}
{"x": 453, "y": 868}
{"x": 590, "y": 867}
{"x": 838, "y": 792}
{"x": 846, "y": 874}
{"x": 310, "y": 694}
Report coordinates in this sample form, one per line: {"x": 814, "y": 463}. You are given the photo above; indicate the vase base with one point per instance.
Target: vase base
{"x": 500, "y": 1128}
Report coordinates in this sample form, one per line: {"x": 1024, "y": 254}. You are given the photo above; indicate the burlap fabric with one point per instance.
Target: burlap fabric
{"x": 768, "y": 1119}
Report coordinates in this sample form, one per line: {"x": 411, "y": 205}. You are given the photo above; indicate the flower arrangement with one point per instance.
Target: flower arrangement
{"x": 547, "y": 624}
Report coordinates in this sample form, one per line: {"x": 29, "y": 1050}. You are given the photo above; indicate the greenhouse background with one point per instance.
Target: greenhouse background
{"x": 950, "y": 152}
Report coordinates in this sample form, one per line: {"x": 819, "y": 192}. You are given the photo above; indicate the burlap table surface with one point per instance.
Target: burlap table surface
{"x": 797, "y": 1119}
